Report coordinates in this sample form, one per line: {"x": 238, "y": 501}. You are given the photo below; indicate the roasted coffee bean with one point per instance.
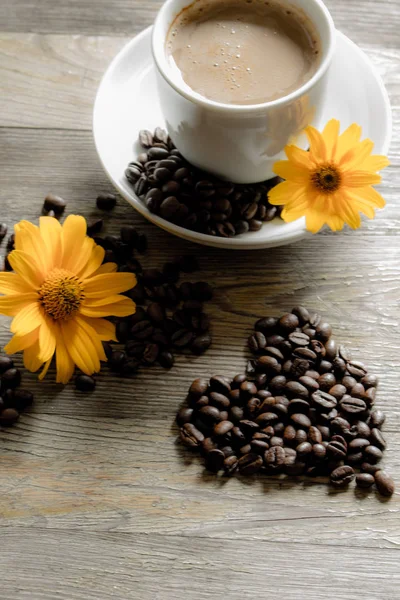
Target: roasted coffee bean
{"x": 135, "y": 349}
{"x": 299, "y": 368}
{"x": 355, "y": 458}
{"x": 319, "y": 452}
{"x": 11, "y": 379}
{"x": 191, "y": 436}
{"x": 302, "y": 314}
{"x": 248, "y": 389}
{"x": 200, "y": 403}
{"x": 8, "y": 417}
{"x": 6, "y": 363}
{"x": 369, "y": 396}
{"x": 166, "y": 359}
{"x": 289, "y": 435}
{"x": 365, "y": 480}
{"x": 356, "y": 369}
{"x": 266, "y": 325}
{"x": 323, "y": 332}
{"x": 84, "y": 383}
{"x": 267, "y": 418}
{"x": 21, "y": 399}
{"x": 94, "y": 227}
{"x": 156, "y": 313}
{"x": 259, "y": 447}
{"x": 129, "y": 367}
{"x": 298, "y": 338}
{"x": 342, "y": 476}
{"x": 231, "y": 464}
{"x": 294, "y": 389}
{"x": 358, "y": 444}
{"x": 323, "y": 401}
{"x": 368, "y": 468}
{"x": 300, "y": 420}
{"x": 311, "y": 384}
{"x": 257, "y": 342}
{"x": 339, "y": 366}
{"x": 326, "y": 381}
{"x": 220, "y": 384}
{"x": 215, "y": 460}
{"x": 106, "y": 201}
{"x": 248, "y": 427}
{"x": 340, "y": 425}
{"x": 275, "y": 456}
{"x": 331, "y": 349}
{"x": 235, "y": 414}
{"x": 304, "y": 450}
{"x": 377, "y": 439}
{"x": 201, "y": 343}
{"x": 288, "y": 323}
{"x": 377, "y": 418}
{"x": 277, "y": 384}
{"x": 54, "y": 203}
{"x": 223, "y": 428}
{"x": 219, "y": 400}
{"x": 314, "y": 435}
{"x": 133, "y": 174}
{"x": 250, "y": 464}
{"x": 198, "y": 388}
{"x": 337, "y": 391}
{"x": 142, "y": 330}
{"x": 297, "y": 405}
{"x": 358, "y": 391}
{"x": 352, "y": 406}
{"x": 145, "y": 138}
{"x": 369, "y": 381}
{"x": 373, "y": 454}
{"x": 184, "y": 416}
{"x": 383, "y": 482}
{"x": 150, "y": 354}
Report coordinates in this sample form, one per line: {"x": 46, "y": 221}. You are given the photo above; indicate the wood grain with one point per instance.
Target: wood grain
{"x": 98, "y": 501}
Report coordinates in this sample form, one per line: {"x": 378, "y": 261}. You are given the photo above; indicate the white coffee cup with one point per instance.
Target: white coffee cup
{"x": 240, "y": 143}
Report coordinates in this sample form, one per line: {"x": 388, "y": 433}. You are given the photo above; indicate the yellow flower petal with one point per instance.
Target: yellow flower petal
{"x": 314, "y": 221}
{"x": 104, "y": 329}
{"x": 51, "y": 232}
{"x": 317, "y": 144}
{"x": 108, "y": 284}
{"x": 64, "y": 364}
{"x": 356, "y": 156}
{"x": 106, "y": 268}
{"x": 358, "y": 179}
{"x": 80, "y": 347}
{"x": 21, "y": 342}
{"x": 91, "y": 332}
{"x": 371, "y": 195}
{"x": 122, "y": 308}
{"x": 45, "y": 369}
{"x": 285, "y": 192}
{"x": 349, "y": 138}
{"x": 74, "y": 235}
{"x": 47, "y": 339}
{"x": 330, "y": 135}
{"x": 11, "y": 305}
{"x": 27, "y": 319}
{"x": 29, "y": 240}
{"x": 335, "y": 222}
{"x": 31, "y": 360}
{"x": 291, "y": 172}
{"x": 11, "y": 283}
{"x": 375, "y": 163}
{"x": 301, "y": 158}
{"x": 25, "y": 266}
{"x": 94, "y": 263}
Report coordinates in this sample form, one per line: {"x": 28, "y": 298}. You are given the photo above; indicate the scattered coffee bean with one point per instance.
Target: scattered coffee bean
{"x": 54, "y": 203}
{"x": 342, "y": 476}
{"x": 365, "y": 480}
{"x": 106, "y": 201}
{"x": 8, "y": 417}
{"x": 84, "y": 383}
{"x": 384, "y": 483}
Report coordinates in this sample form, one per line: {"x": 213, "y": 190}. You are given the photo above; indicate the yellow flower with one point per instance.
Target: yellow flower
{"x": 332, "y": 183}
{"x": 58, "y": 295}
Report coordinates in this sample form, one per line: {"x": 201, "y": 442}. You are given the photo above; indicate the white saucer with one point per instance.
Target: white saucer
{"x": 127, "y": 101}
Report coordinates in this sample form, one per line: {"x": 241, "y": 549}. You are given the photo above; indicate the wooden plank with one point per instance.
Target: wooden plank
{"x": 51, "y": 80}
{"x": 367, "y": 21}
{"x": 74, "y": 565}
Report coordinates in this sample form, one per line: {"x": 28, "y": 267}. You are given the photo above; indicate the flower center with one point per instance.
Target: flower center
{"x": 61, "y": 294}
{"x": 326, "y": 179}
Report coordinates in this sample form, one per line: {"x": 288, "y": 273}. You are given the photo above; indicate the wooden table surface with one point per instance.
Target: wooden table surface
{"x": 97, "y": 500}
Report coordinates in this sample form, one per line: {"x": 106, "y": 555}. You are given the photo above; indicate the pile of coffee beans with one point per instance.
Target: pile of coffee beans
{"x": 175, "y": 190}
{"x": 305, "y": 407}
{"x": 170, "y": 315}
{"x": 13, "y": 399}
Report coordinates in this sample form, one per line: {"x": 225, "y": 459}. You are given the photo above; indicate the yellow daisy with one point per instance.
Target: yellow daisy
{"x": 332, "y": 183}
{"x": 58, "y": 295}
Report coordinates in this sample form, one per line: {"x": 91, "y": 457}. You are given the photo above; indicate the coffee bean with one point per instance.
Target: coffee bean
{"x": 133, "y": 174}
{"x": 54, "y": 203}
{"x": 145, "y": 138}
{"x": 166, "y": 359}
{"x": 257, "y": 342}
{"x": 358, "y": 444}
{"x": 150, "y": 354}
{"x": 369, "y": 380}
{"x": 337, "y": 391}
{"x": 94, "y": 227}
{"x": 266, "y": 325}
{"x": 299, "y": 339}
{"x": 21, "y": 399}
{"x": 295, "y": 389}
{"x": 142, "y": 330}
{"x": 220, "y": 384}
{"x": 11, "y": 379}
{"x": 323, "y": 401}
{"x": 248, "y": 389}
{"x": 288, "y": 323}
{"x": 248, "y": 427}
{"x": 352, "y": 406}
{"x": 275, "y": 456}
{"x": 383, "y": 482}
{"x": 106, "y": 201}
{"x": 8, "y": 417}
{"x": 219, "y": 400}
{"x": 116, "y": 361}
{"x": 300, "y": 420}
{"x": 314, "y": 435}
{"x": 373, "y": 454}
{"x": 156, "y": 313}
{"x": 304, "y": 450}
{"x": 311, "y": 384}
{"x": 6, "y": 363}
{"x": 250, "y": 464}
{"x": 356, "y": 369}
{"x": 342, "y": 476}
{"x": 223, "y": 428}
{"x": 368, "y": 468}
{"x": 337, "y": 448}
{"x": 377, "y": 417}
{"x": 377, "y": 439}
{"x": 184, "y": 416}
{"x": 198, "y": 388}
{"x": 302, "y": 314}
{"x": 191, "y": 436}
{"x": 231, "y": 464}
{"x": 364, "y": 480}
{"x": 326, "y": 381}
{"x": 84, "y": 383}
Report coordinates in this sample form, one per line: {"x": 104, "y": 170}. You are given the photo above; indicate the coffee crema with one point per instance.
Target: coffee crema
{"x": 242, "y": 51}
